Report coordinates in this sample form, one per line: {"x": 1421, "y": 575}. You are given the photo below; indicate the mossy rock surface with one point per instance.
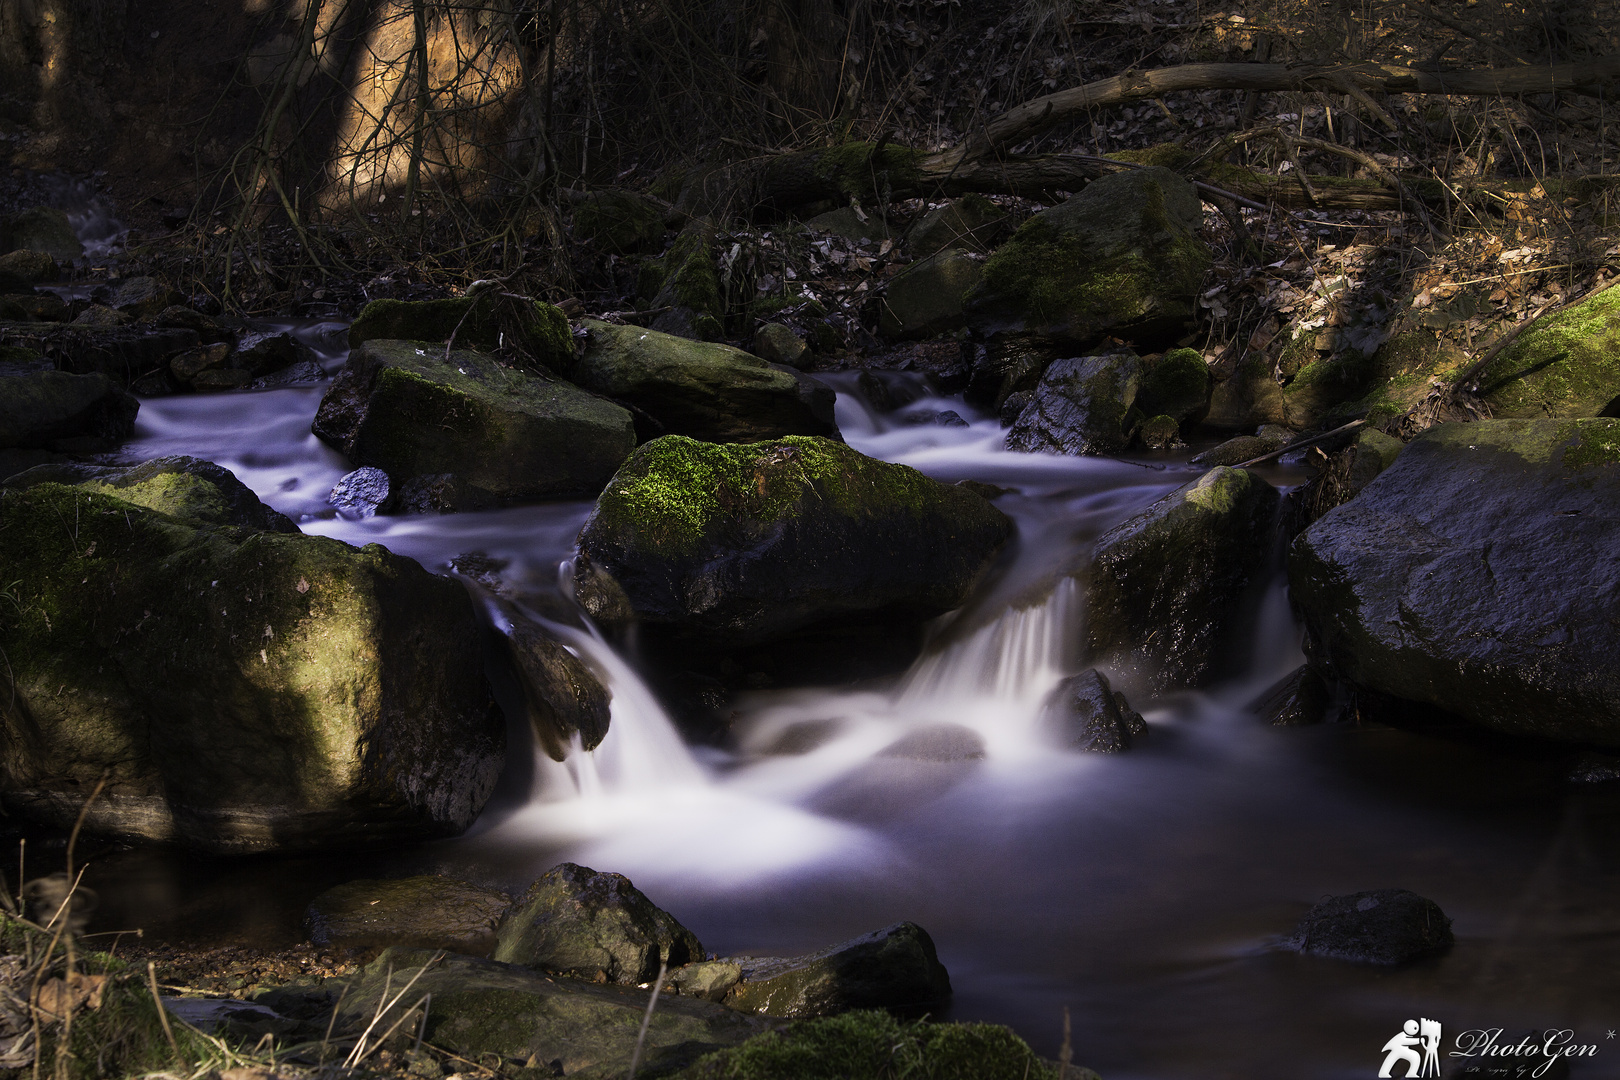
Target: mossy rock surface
{"x": 567, "y": 1026}
{"x": 1166, "y": 588}
{"x": 428, "y": 911}
{"x": 1476, "y": 575}
{"x": 618, "y": 221}
{"x": 746, "y": 542}
{"x": 895, "y": 967}
{"x": 195, "y": 491}
{"x": 1082, "y": 405}
{"x": 503, "y": 434}
{"x": 58, "y": 410}
{"x": 702, "y": 390}
{"x": 1565, "y": 365}
{"x": 686, "y": 283}
{"x": 873, "y": 1045}
{"x": 23, "y": 268}
{"x": 594, "y": 926}
{"x": 1121, "y": 258}
{"x": 972, "y": 223}
{"x": 485, "y": 321}
{"x": 244, "y": 691}
{"x": 1176, "y": 385}
{"x": 927, "y": 297}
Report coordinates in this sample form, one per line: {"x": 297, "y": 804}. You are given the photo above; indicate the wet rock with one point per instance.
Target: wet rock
{"x": 564, "y": 698}
{"x": 143, "y": 297}
{"x": 440, "y": 493}
{"x": 1299, "y": 698}
{"x": 506, "y": 435}
{"x": 123, "y": 352}
{"x": 1160, "y": 433}
{"x": 1085, "y": 713}
{"x": 155, "y": 384}
{"x": 972, "y": 223}
{"x": 360, "y": 494}
{"x": 1082, "y": 406}
{"x": 243, "y": 691}
{"x": 484, "y": 1010}
{"x": 778, "y": 344}
{"x": 1595, "y": 768}
{"x": 193, "y": 490}
{"x": 34, "y": 307}
{"x": 43, "y": 229}
{"x": 926, "y": 298}
{"x": 102, "y": 317}
{"x": 430, "y": 911}
{"x": 931, "y": 418}
{"x": 22, "y": 269}
{"x": 1167, "y": 587}
{"x": 618, "y": 221}
{"x": 887, "y": 391}
{"x": 744, "y": 543}
{"x": 216, "y": 380}
{"x": 708, "y": 979}
{"x": 302, "y": 373}
{"x": 259, "y": 352}
{"x": 178, "y": 316}
{"x": 53, "y": 410}
{"x": 1382, "y": 926}
{"x": 1176, "y": 385}
{"x": 701, "y": 390}
{"x": 188, "y": 365}
{"x": 1121, "y": 258}
{"x": 895, "y": 967}
{"x": 1014, "y": 406}
{"x": 1234, "y": 452}
{"x": 1476, "y": 575}
{"x": 485, "y": 321}
{"x": 845, "y": 222}
{"x": 594, "y": 926}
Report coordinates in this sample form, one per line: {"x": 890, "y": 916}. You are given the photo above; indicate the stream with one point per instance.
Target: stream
{"x": 1147, "y": 892}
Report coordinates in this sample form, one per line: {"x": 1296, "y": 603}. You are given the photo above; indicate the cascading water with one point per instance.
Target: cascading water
{"x": 1145, "y": 891}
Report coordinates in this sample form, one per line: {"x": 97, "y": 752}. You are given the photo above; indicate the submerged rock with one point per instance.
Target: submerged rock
{"x": 1383, "y": 926}
{"x": 430, "y": 911}
{"x": 743, "y": 543}
{"x": 702, "y": 390}
{"x": 1476, "y": 575}
{"x": 594, "y": 926}
{"x": 564, "y": 698}
{"x": 242, "y": 691}
{"x": 1166, "y": 587}
{"x": 1085, "y": 713}
{"x": 505, "y": 435}
{"x": 53, "y": 410}
{"x": 895, "y": 967}
{"x": 1121, "y": 258}
{"x": 195, "y": 491}
{"x": 1081, "y": 406}
{"x": 484, "y": 1010}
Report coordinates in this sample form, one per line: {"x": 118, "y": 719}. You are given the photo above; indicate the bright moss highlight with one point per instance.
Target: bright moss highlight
{"x": 1563, "y": 366}
{"x": 872, "y": 1045}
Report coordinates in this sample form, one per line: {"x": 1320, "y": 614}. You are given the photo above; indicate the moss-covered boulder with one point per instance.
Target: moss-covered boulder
{"x": 486, "y": 321}
{"x": 777, "y": 343}
{"x": 1177, "y": 385}
{"x": 594, "y": 926}
{"x": 686, "y": 287}
{"x": 428, "y": 911}
{"x": 926, "y": 298}
{"x": 895, "y": 967}
{"x": 1122, "y": 258}
{"x": 43, "y": 228}
{"x": 1565, "y": 365}
{"x": 56, "y": 410}
{"x": 873, "y": 1045}
{"x": 565, "y": 700}
{"x": 501, "y": 434}
{"x": 1082, "y": 405}
{"x": 195, "y": 491}
{"x": 972, "y": 223}
{"x": 703, "y": 390}
{"x": 1476, "y": 575}
{"x": 21, "y": 270}
{"x": 618, "y": 221}
{"x": 484, "y": 1010}
{"x": 746, "y": 542}
{"x": 241, "y": 690}
{"x": 1166, "y": 588}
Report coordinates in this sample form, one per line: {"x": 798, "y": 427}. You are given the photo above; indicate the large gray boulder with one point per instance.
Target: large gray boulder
{"x": 1477, "y": 574}
{"x": 701, "y": 389}
{"x": 1122, "y": 258}
{"x": 1167, "y": 587}
{"x": 496, "y": 435}
{"x": 895, "y": 967}
{"x": 58, "y": 410}
{"x": 1081, "y": 406}
{"x": 241, "y": 690}
{"x": 743, "y": 543}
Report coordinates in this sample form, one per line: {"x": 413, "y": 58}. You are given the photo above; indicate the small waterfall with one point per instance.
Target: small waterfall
{"x": 1018, "y": 657}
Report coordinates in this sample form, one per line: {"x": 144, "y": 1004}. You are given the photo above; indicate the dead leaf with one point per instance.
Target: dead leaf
{"x": 58, "y": 997}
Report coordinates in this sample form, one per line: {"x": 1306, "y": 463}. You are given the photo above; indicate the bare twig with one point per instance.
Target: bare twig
{"x": 646, "y": 1020}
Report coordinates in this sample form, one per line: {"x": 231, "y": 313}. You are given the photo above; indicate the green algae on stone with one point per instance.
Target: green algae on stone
{"x": 243, "y": 691}
{"x": 1177, "y": 385}
{"x": 195, "y": 491}
{"x": 484, "y": 321}
{"x": 1122, "y": 257}
{"x": 751, "y": 541}
{"x": 1564, "y": 365}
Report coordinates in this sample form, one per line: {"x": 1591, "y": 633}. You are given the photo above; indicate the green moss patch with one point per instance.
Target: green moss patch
{"x": 1566, "y": 365}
